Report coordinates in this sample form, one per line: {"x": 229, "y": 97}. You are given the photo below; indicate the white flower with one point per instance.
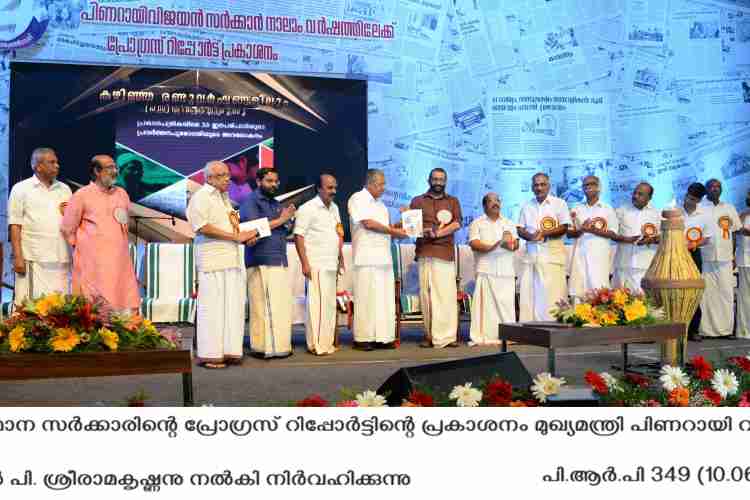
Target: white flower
{"x": 673, "y": 377}
{"x": 612, "y": 383}
{"x": 466, "y": 395}
{"x": 370, "y": 398}
{"x": 725, "y": 383}
{"x": 546, "y": 385}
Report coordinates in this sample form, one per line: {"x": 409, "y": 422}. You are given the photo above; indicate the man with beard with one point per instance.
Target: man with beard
{"x": 637, "y": 238}
{"x": 543, "y": 222}
{"x": 319, "y": 239}
{"x": 220, "y": 266}
{"x": 717, "y": 304}
{"x": 697, "y": 227}
{"x": 435, "y": 255}
{"x": 743, "y": 269}
{"x": 96, "y": 226}
{"x": 593, "y": 226}
{"x": 268, "y": 282}
{"x": 41, "y": 257}
{"x": 494, "y": 239}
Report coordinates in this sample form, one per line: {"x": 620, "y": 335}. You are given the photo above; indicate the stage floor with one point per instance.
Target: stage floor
{"x": 278, "y": 382}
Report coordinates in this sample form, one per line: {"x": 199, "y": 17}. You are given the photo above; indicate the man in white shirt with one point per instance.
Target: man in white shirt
{"x": 593, "y": 225}
{"x": 41, "y": 256}
{"x": 221, "y": 271}
{"x": 494, "y": 239}
{"x": 717, "y": 304}
{"x": 743, "y": 269}
{"x": 638, "y": 238}
{"x": 319, "y": 239}
{"x": 697, "y": 234}
{"x": 543, "y": 222}
{"x": 374, "y": 288}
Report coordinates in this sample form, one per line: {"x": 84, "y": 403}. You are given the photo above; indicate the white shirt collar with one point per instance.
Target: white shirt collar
{"x": 369, "y": 195}
{"x": 38, "y": 182}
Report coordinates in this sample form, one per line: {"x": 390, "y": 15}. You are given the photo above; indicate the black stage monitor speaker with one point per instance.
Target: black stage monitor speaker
{"x": 442, "y": 377}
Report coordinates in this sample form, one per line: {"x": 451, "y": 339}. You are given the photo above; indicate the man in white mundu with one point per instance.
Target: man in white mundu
{"x": 743, "y": 269}
{"x": 374, "y": 301}
{"x": 318, "y": 237}
{"x": 593, "y": 225}
{"x": 717, "y": 304}
{"x": 41, "y": 256}
{"x": 221, "y": 271}
{"x": 494, "y": 239}
{"x": 542, "y": 223}
{"x": 637, "y": 238}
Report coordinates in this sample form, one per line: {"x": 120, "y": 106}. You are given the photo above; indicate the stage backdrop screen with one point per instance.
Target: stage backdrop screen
{"x": 163, "y": 125}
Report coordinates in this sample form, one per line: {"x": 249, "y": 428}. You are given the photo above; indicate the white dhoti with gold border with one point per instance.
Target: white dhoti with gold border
{"x": 493, "y": 302}
{"x": 717, "y": 304}
{"x": 320, "y": 311}
{"x": 374, "y": 304}
{"x": 270, "y": 311}
{"x": 42, "y": 278}
{"x": 542, "y": 285}
{"x": 220, "y": 318}
{"x": 437, "y": 297}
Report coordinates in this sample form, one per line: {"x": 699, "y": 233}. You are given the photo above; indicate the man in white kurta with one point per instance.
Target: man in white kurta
{"x": 41, "y": 256}
{"x": 717, "y": 303}
{"x": 743, "y": 269}
{"x": 542, "y": 223}
{"x": 221, "y": 271}
{"x": 494, "y": 239}
{"x": 318, "y": 237}
{"x": 374, "y": 289}
{"x": 593, "y": 225}
{"x": 637, "y": 239}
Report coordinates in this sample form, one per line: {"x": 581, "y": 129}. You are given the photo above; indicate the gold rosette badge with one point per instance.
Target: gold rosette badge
{"x": 725, "y": 223}
{"x": 62, "y": 207}
{"x": 694, "y": 234}
{"x": 548, "y": 223}
{"x": 340, "y": 229}
{"x": 599, "y": 223}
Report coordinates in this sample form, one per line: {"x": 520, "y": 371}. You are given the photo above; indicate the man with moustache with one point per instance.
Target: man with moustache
{"x": 743, "y": 269}
{"x": 267, "y": 271}
{"x": 41, "y": 256}
{"x": 435, "y": 255}
{"x": 96, "y": 226}
{"x": 697, "y": 227}
{"x": 494, "y": 239}
{"x": 374, "y": 304}
{"x": 543, "y": 222}
{"x": 221, "y": 271}
{"x": 593, "y": 226}
{"x": 717, "y": 304}
{"x": 637, "y": 238}
{"x": 319, "y": 239}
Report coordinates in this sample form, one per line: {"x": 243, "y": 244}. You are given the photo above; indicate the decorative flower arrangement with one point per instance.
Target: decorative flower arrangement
{"x": 72, "y": 323}
{"x": 608, "y": 307}
{"x": 701, "y": 384}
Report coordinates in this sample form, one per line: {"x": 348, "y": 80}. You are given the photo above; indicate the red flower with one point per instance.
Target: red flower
{"x": 418, "y": 398}
{"x": 744, "y": 401}
{"x": 87, "y": 316}
{"x": 596, "y": 382}
{"x": 605, "y": 296}
{"x": 637, "y": 380}
{"x": 58, "y": 320}
{"x": 741, "y": 361}
{"x": 712, "y": 396}
{"x": 312, "y": 401}
{"x": 702, "y": 369}
{"x": 498, "y": 393}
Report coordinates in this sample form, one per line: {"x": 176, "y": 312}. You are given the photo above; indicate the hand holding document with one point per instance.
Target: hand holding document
{"x": 261, "y": 225}
{"x": 411, "y": 221}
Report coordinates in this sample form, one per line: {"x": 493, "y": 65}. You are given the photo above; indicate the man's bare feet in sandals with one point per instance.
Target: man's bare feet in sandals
{"x": 214, "y": 366}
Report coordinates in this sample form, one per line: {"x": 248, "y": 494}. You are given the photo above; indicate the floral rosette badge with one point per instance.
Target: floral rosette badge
{"x": 444, "y": 217}
{"x": 548, "y": 223}
{"x": 694, "y": 234}
{"x": 340, "y": 229}
{"x": 62, "y": 207}
{"x": 648, "y": 230}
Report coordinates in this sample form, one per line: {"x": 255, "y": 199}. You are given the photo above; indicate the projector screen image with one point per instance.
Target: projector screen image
{"x": 163, "y": 125}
